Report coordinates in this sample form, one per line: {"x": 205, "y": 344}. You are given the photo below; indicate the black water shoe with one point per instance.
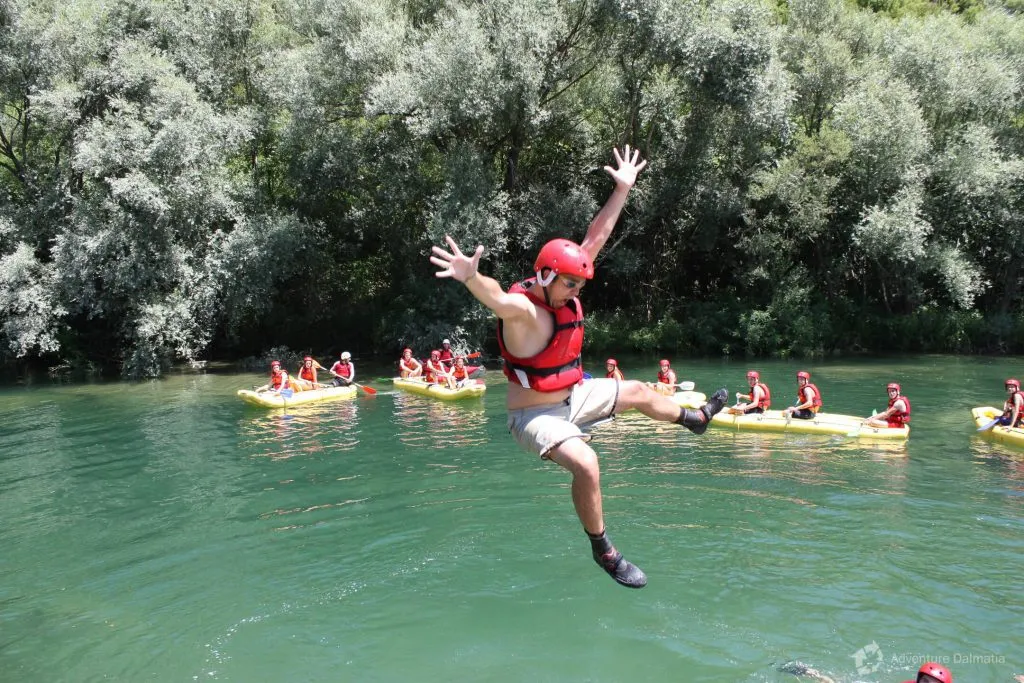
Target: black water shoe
{"x": 621, "y": 569}
{"x": 697, "y": 420}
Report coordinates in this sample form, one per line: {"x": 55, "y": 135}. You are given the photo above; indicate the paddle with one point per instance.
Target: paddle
{"x": 856, "y": 432}
{"x": 990, "y": 425}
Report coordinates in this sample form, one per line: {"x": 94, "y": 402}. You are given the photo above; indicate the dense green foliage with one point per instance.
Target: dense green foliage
{"x": 183, "y": 179}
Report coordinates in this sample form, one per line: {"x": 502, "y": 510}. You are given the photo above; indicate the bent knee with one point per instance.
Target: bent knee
{"x": 577, "y": 457}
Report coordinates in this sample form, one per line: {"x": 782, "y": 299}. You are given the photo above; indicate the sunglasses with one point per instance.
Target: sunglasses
{"x": 572, "y": 284}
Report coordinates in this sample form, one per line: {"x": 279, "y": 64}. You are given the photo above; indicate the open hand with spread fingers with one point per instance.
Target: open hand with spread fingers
{"x": 455, "y": 264}
{"x": 625, "y": 175}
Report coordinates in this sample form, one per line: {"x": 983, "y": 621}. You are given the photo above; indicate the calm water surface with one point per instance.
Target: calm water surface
{"x": 165, "y": 531}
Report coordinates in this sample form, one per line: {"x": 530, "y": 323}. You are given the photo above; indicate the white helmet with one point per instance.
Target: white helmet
{"x": 446, "y": 342}
{"x": 345, "y": 355}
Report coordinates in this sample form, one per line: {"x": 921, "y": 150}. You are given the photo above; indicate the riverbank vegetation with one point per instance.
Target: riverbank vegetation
{"x": 183, "y": 180}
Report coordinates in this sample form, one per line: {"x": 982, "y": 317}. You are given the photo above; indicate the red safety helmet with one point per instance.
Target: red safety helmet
{"x": 803, "y": 374}
{"x": 307, "y": 359}
{"x": 1015, "y": 383}
{"x": 664, "y": 361}
{"x": 892, "y": 385}
{"x": 611, "y": 361}
{"x": 936, "y": 671}
{"x": 406, "y": 349}
{"x": 563, "y": 257}
{"x": 753, "y": 373}
{"x": 275, "y": 363}
{"x": 435, "y": 354}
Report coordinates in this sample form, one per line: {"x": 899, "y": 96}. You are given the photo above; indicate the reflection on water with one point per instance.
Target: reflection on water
{"x": 311, "y": 429}
{"x": 424, "y": 422}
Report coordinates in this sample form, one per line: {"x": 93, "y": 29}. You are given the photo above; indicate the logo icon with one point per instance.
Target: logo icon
{"x": 868, "y": 659}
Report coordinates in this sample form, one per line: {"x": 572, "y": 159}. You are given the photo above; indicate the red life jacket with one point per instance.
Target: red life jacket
{"x": 343, "y": 369}
{"x": 766, "y": 397}
{"x": 900, "y": 418}
{"x": 431, "y": 371}
{"x": 815, "y": 402}
{"x": 664, "y": 377}
{"x": 278, "y": 379}
{"x": 558, "y": 365}
{"x": 447, "y": 356}
{"x": 459, "y": 373}
{"x": 409, "y": 365}
{"x": 308, "y": 374}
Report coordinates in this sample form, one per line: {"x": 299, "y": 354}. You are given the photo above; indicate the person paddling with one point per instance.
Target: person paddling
{"x": 1013, "y": 406}
{"x": 540, "y": 336}
{"x": 447, "y": 357}
{"x": 459, "y": 373}
{"x": 897, "y": 414}
{"x": 344, "y": 370}
{"x": 278, "y": 379}
{"x": 611, "y": 367}
{"x": 667, "y": 379}
{"x": 757, "y": 401}
{"x": 808, "y": 398}
{"x": 307, "y": 374}
{"x": 434, "y": 371}
{"x": 409, "y": 367}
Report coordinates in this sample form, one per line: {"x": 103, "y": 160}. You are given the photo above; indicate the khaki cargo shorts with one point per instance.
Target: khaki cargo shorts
{"x": 541, "y": 428}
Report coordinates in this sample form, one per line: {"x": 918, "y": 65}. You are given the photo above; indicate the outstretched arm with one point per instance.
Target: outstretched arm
{"x": 629, "y": 165}
{"x": 456, "y": 265}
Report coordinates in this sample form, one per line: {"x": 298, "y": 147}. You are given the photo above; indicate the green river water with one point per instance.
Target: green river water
{"x": 165, "y": 531}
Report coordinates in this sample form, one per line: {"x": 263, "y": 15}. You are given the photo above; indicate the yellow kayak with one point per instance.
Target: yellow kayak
{"x": 822, "y": 423}
{"x": 689, "y": 399}
{"x": 270, "y": 399}
{"x": 1009, "y": 435}
{"x": 469, "y": 389}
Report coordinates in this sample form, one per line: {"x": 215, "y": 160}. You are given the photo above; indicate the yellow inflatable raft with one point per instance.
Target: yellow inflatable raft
{"x": 822, "y": 423}
{"x": 469, "y": 388}
{"x": 690, "y": 399}
{"x": 286, "y": 399}
{"x": 1009, "y": 435}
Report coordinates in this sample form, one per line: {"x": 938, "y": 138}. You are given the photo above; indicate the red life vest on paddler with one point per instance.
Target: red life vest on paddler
{"x": 815, "y": 402}
{"x": 409, "y": 364}
{"x": 558, "y": 365}
{"x": 901, "y": 418}
{"x": 343, "y": 368}
{"x": 308, "y": 374}
{"x": 433, "y": 369}
{"x": 278, "y": 377}
{"x": 459, "y": 372}
{"x": 447, "y": 357}
{"x": 765, "y": 401}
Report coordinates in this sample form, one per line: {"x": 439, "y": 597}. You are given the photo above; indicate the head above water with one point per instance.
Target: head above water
{"x": 930, "y": 671}
{"x": 562, "y": 257}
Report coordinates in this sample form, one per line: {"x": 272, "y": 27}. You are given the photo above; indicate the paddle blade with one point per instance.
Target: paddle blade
{"x": 990, "y": 425}
{"x": 287, "y": 393}
{"x": 369, "y": 390}
{"x": 587, "y": 375}
{"x": 475, "y": 354}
